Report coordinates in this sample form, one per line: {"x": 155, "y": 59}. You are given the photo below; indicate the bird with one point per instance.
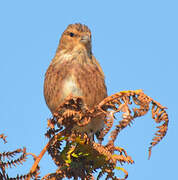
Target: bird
{"x": 75, "y": 71}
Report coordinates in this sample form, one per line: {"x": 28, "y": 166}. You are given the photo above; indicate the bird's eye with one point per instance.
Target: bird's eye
{"x": 71, "y": 34}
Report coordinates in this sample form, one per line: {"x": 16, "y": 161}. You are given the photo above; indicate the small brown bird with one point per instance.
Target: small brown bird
{"x": 74, "y": 71}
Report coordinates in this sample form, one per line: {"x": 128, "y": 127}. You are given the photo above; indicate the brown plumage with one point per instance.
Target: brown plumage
{"x": 74, "y": 71}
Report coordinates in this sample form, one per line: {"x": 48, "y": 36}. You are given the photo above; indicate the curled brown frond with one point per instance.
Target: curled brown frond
{"x": 3, "y": 137}
{"x": 10, "y": 154}
{"x": 121, "y": 102}
{"x": 159, "y": 115}
{"x": 15, "y": 162}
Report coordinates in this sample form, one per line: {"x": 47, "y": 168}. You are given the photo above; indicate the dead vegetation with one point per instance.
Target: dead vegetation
{"x": 77, "y": 156}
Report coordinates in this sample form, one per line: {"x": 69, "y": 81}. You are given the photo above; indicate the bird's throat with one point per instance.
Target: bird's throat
{"x": 77, "y": 55}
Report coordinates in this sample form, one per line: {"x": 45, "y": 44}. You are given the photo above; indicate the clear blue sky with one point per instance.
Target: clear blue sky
{"x": 136, "y": 43}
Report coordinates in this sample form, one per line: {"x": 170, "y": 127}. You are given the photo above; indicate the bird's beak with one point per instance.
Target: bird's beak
{"x": 85, "y": 39}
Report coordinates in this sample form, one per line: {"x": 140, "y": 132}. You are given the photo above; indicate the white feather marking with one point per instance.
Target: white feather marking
{"x": 71, "y": 88}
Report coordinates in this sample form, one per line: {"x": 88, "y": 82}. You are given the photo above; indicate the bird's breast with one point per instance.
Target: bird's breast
{"x": 74, "y": 77}
{"x": 70, "y": 87}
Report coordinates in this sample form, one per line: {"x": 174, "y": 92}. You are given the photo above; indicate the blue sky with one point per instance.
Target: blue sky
{"x": 136, "y": 43}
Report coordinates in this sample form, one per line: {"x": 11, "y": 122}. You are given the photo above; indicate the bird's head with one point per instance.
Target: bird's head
{"x": 76, "y": 36}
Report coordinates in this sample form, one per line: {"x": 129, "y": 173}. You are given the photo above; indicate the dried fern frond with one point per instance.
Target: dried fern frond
{"x": 11, "y": 154}
{"x": 13, "y": 161}
{"x": 121, "y": 101}
{"x": 76, "y": 155}
{"x": 159, "y": 115}
{"x": 3, "y": 137}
